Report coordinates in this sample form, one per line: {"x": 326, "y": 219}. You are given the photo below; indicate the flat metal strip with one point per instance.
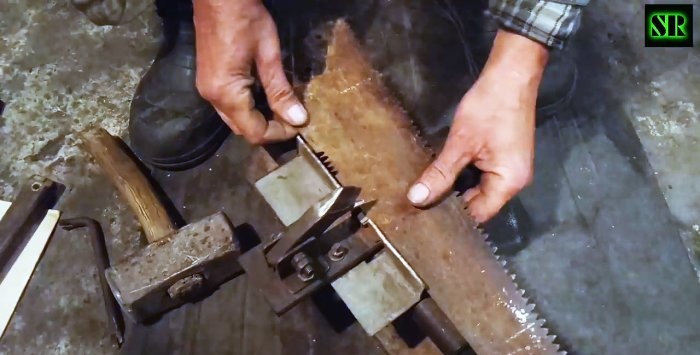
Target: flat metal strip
{"x": 14, "y": 283}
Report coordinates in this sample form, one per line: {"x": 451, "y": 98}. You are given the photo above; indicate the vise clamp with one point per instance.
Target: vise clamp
{"x": 329, "y": 239}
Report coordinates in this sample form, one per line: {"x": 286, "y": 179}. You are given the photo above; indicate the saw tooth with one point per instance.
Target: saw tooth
{"x": 416, "y": 129}
{"x": 420, "y": 138}
{"x": 532, "y": 317}
{"x": 326, "y": 161}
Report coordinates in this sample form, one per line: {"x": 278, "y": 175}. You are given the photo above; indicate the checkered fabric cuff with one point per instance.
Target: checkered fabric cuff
{"x": 548, "y": 22}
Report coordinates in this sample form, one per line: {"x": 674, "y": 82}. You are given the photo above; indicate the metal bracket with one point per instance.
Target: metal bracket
{"x": 313, "y": 222}
{"x": 310, "y": 265}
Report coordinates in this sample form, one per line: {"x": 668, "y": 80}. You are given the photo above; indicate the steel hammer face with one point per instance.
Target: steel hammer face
{"x": 182, "y": 267}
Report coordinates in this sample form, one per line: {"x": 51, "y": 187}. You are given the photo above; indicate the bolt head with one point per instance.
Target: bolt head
{"x": 337, "y": 252}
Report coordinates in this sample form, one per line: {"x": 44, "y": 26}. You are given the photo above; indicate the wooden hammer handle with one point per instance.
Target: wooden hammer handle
{"x": 132, "y": 184}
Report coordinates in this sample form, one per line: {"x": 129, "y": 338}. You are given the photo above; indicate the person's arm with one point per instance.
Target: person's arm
{"x": 494, "y": 124}
{"x": 549, "y": 23}
{"x": 235, "y": 38}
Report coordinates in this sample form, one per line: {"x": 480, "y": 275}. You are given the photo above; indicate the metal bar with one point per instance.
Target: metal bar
{"x": 378, "y": 292}
{"x": 99, "y": 249}
{"x": 20, "y": 272}
{"x": 23, "y": 217}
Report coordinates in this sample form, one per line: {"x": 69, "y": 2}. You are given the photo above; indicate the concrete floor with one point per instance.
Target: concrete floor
{"x": 612, "y": 216}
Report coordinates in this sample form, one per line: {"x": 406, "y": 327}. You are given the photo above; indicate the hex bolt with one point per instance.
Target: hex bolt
{"x": 302, "y": 264}
{"x": 337, "y": 252}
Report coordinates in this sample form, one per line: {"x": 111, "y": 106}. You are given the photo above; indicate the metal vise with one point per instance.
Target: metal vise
{"x": 329, "y": 239}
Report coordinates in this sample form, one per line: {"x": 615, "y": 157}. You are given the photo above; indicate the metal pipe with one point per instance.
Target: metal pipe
{"x": 435, "y": 324}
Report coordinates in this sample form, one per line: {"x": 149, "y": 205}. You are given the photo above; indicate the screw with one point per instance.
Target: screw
{"x": 337, "y": 252}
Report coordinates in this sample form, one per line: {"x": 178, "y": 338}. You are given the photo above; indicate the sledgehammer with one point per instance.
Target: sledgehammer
{"x": 178, "y": 265}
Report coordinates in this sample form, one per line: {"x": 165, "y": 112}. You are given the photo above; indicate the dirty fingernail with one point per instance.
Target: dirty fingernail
{"x": 297, "y": 115}
{"x": 418, "y": 193}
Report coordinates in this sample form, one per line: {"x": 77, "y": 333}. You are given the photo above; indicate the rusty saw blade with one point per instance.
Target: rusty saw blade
{"x": 373, "y": 145}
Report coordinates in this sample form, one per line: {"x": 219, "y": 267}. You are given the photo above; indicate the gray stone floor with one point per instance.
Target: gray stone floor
{"x": 612, "y": 216}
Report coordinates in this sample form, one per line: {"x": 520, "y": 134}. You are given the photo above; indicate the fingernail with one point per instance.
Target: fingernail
{"x": 297, "y": 115}
{"x": 470, "y": 194}
{"x": 418, "y": 193}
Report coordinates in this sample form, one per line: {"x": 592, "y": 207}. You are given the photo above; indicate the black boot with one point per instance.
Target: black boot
{"x": 171, "y": 127}
{"x": 557, "y": 85}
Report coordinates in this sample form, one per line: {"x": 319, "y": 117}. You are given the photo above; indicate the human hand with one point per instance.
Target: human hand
{"x": 233, "y": 38}
{"x": 493, "y": 128}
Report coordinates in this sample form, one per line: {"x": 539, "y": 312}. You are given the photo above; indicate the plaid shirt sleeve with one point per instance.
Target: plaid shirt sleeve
{"x": 548, "y": 22}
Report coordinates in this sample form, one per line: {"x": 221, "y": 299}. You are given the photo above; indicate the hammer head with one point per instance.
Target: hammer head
{"x": 179, "y": 268}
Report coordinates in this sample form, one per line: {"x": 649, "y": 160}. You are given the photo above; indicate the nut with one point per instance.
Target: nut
{"x": 302, "y": 264}
{"x": 306, "y": 274}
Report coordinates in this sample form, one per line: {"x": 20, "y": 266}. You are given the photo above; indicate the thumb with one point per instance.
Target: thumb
{"x": 439, "y": 177}
{"x": 492, "y": 194}
{"x": 279, "y": 92}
